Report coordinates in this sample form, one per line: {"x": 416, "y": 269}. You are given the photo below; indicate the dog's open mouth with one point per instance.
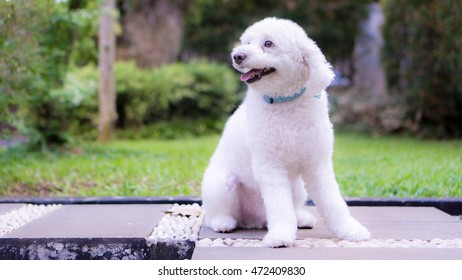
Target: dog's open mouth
{"x": 256, "y": 74}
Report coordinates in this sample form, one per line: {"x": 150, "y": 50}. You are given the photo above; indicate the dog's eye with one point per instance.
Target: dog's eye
{"x": 268, "y": 44}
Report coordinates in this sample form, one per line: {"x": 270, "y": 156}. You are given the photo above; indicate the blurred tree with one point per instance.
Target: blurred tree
{"x": 213, "y": 26}
{"x": 36, "y": 45}
{"x": 106, "y": 61}
{"x": 152, "y": 31}
{"x": 333, "y": 24}
{"x": 423, "y": 59}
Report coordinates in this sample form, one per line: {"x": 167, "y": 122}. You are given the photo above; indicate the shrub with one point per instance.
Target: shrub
{"x": 173, "y": 129}
{"x": 78, "y": 100}
{"x": 175, "y": 91}
{"x": 192, "y": 98}
{"x": 423, "y": 59}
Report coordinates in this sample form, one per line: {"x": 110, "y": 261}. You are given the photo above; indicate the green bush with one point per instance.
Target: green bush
{"x": 78, "y": 100}
{"x": 423, "y": 59}
{"x": 173, "y": 129}
{"x": 171, "y": 101}
{"x": 176, "y": 91}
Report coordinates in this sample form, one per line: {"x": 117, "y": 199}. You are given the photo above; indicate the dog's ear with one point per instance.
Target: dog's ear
{"x": 320, "y": 73}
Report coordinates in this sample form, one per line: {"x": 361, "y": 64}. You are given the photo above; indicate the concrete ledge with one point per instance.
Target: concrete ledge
{"x": 450, "y": 205}
{"x": 103, "y": 200}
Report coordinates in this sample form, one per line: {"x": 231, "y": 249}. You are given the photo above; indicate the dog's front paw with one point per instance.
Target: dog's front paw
{"x": 222, "y": 223}
{"x": 305, "y": 219}
{"x": 352, "y": 230}
{"x": 279, "y": 238}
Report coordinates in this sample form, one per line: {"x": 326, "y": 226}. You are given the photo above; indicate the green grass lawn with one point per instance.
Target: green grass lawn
{"x": 365, "y": 167}
{"x": 398, "y": 167}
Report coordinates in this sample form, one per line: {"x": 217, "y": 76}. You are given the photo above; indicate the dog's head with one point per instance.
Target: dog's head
{"x": 276, "y": 55}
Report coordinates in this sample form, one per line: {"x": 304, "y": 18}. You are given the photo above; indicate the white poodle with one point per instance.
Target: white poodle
{"x": 278, "y": 143}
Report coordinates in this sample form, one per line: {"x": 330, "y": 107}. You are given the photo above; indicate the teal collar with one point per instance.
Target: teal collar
{"x": 283, "y": 99}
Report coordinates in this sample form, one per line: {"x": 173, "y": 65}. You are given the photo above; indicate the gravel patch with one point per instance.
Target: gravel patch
{"x": 21, "y": 216}
{"x": 337, "y": 243}
{"x": 180, "y": 222}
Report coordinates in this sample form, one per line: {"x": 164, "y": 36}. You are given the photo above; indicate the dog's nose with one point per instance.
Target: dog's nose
{"x": 239, "y": 57}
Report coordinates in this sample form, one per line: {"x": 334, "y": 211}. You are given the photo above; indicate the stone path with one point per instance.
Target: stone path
{"x": 397, "y": 233}
{"x": 166, "y": 231}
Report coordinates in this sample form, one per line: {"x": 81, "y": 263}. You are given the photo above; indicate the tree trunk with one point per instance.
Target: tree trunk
{"x": 107, "y": 96}
{"x": 152, "y": 31}
{"x": 369, "y": 77}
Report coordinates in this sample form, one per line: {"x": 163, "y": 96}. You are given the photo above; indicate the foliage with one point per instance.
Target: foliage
{"x": 78, "y": 101}
{"x": 36, "y": 45}
{"x": 84, "y": 17}
{"x": 187, "y": 91}
{"x": 365, "y": 167}
{"x": 423, "y": 59}
{"x": 212, "y": 27}
{"x": 192, "y": 98}
{"x": 173, "y": 129}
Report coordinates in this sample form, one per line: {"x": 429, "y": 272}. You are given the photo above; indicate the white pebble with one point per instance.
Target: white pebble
{"x": 436, "y": 241}
{"x": 206, "y": 242}
{"x": 218, "y": 242}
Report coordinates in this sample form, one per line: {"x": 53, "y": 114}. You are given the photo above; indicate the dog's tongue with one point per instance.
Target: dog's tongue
{"x": 248, "y": 75}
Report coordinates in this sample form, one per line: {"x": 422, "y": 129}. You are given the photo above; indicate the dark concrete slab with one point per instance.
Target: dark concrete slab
{"x": 252, "y": 253}
{"x": 93, "y": 249}
{"x": 75, "y": 249}
{"x": 94, "y": 221}
{"x": 7, "y": 207}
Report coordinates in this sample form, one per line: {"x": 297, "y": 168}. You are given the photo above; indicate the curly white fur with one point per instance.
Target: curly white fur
{"x": 271, "y": 155}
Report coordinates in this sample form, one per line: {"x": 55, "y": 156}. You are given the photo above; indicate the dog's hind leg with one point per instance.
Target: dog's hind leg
{"x": 304, "y": 218}
{"x": 219, "y": 199}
